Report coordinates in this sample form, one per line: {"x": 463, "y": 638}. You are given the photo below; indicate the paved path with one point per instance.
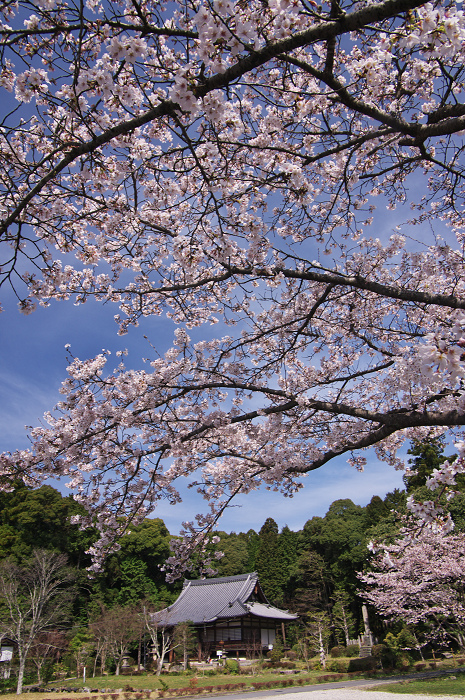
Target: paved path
{"x": 358, "y": 693}
{"x": 343, "y": 690}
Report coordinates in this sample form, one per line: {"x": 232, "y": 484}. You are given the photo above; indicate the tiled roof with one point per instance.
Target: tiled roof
{"x": 261, "y": 610}
{"x": 216, "y": 598}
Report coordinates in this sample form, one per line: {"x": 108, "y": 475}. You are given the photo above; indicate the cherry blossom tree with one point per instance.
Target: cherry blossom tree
{"x": 220, "y": 161}
{"x": 422, "y": 582}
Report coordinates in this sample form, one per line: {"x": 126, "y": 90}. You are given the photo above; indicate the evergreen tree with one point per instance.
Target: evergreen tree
{"x": 309, "y": 583}
{"x": 252, "y": 540}
{"x": 427, "y": 455}
{"x": 287, "y": 554}
{"x": 340, "y": 538}
{"x": 235, "y": 555}
{"x": 267, "y": 562}
{"x": 29, "y": 516}
{"x": 134, "y": 572}
{"x": 376, "y": 510}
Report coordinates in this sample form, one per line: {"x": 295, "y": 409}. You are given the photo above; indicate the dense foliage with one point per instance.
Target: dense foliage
{"x": 312, "y": 572}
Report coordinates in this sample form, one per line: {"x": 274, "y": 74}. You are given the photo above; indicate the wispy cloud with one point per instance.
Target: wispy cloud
{"x": 335, "y": 481}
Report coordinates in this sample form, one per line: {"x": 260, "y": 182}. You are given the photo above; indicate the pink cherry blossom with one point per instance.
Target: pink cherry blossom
{"x": 420, "y": 582}
{"x": 230, "y": 165}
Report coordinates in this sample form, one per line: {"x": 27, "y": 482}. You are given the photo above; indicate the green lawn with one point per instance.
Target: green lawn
{"x": 432, "y": 686}
{"x": 200, "y": 683}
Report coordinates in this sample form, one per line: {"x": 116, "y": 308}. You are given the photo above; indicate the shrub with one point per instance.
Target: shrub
{"x": 352, "y": 650}
{"x": 281, "y": 664}
{"x": 336, "y": 651}
{"x": 291, "y": 655}
{"x": 231, "y": 666}
{"x": 276, "y": 653}
{"x": 362, "y": 664}
{"x": 338, "y": 665}
{"x": 378, "y": 650}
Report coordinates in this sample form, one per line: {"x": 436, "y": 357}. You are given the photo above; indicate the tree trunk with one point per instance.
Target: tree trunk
{"x": 322, "y": 649}
{"x": 345, "y": 625}
{"x": 22, "y": 666}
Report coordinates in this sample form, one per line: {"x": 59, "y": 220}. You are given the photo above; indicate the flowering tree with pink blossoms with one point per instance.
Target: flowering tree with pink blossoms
{"x": 421, "y": 583}
{"x": 220, "y": 161}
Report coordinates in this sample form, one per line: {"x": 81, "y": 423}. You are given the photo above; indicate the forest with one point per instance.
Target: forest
{"x": 314, "y": 572}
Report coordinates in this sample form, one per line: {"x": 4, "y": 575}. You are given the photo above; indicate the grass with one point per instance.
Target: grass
{"x": 432, "y": 686}
{"x": 148, "y": 686}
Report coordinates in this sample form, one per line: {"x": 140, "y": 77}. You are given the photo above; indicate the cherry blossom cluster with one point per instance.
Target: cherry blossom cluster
{"x": 228, "y": 166}
{"x": 422, "y": 582}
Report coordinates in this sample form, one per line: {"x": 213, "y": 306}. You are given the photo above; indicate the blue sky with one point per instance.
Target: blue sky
{"x": 33, "y": 364}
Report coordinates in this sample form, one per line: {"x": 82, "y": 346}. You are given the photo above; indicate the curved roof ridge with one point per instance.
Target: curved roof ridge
{"x": 238, "y": 598}
{"x": 219, "y": 579}
{"x": 246, "y": 583}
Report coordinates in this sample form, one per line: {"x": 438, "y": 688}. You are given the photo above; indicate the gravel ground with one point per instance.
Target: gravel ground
{"x": 359, "y": 694}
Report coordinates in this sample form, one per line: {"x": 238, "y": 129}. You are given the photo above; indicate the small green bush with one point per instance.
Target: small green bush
{"x": 231, "y": 666}
{"x": 277, "y": 652}
{"x": 352, "y": 650}
{"x": 335, "y": 652}
{"x": 291, "y": 655}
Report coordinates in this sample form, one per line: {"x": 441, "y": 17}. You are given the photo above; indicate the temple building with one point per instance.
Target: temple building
{"x": 231, "y": 615}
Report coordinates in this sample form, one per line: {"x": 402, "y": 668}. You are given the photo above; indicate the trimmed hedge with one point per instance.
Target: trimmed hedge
{"x": 338, "y": 665}
{"x": 362, "y": 664}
